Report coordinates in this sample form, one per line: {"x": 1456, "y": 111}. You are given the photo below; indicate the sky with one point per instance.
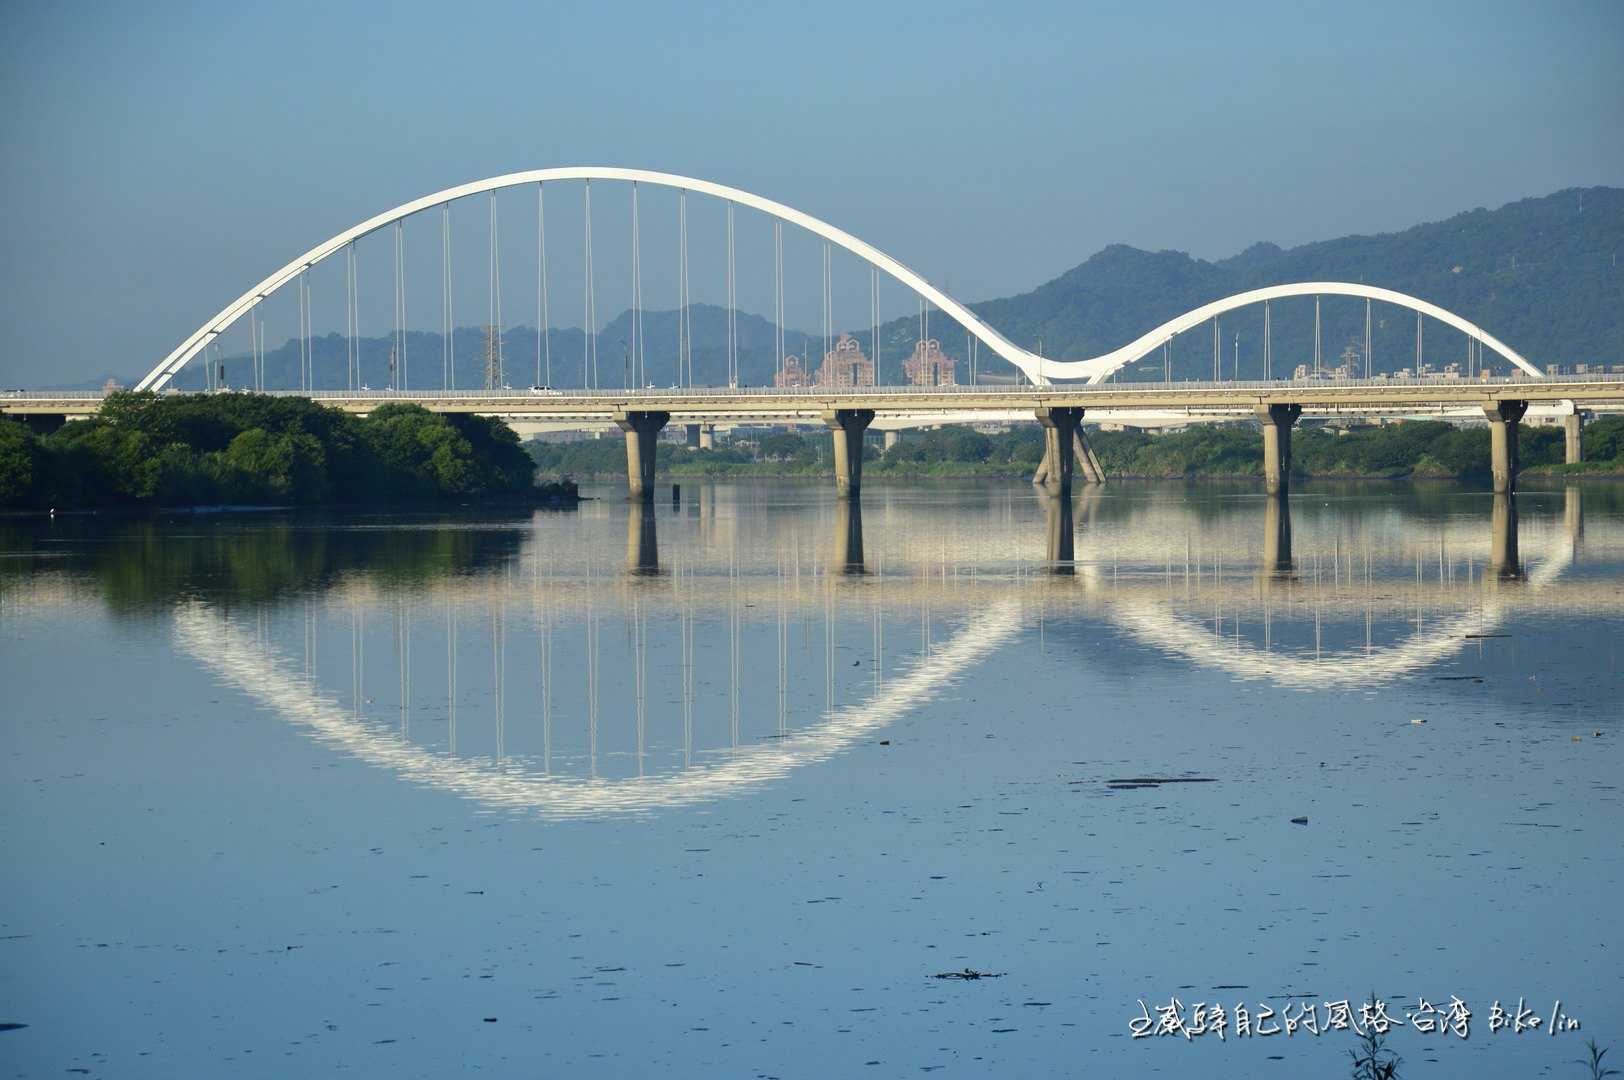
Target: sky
{"x": 162, "y": 158}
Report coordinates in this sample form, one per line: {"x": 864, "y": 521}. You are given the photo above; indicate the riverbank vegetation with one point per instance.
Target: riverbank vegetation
{"x": 254, "y": 449}
{"x": 1427, "y": 448}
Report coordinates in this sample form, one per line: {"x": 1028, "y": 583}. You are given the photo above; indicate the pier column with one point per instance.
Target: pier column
{"x": 1277, "y": 421}
{"x": 847, "y": 427}
{"x": 692, "y": 436}
{"x": 1059, "y": 435}
{"x": 1504, "y": 563}
{"x": 1504, "y": 418}
{"x": 1087, "y": 464}
{"x": 1573, "y": 425}
{"x": 707, "y": 436}
{"x": 891, "y": 438}
{"x": 642, "y": 434}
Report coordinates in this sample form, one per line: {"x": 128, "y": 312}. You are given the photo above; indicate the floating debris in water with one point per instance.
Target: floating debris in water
{"x": 969, "y": 973}
{"x": 1299, "y": 821}
{"x": 1135, "y": 782}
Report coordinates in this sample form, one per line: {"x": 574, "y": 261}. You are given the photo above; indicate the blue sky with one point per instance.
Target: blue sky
{"x": 163, "y": 157}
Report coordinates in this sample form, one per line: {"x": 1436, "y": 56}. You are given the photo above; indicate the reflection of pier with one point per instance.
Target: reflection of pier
{"x": 870, "y": 615}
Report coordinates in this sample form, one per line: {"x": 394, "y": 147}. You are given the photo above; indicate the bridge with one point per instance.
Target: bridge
{"x": 1058, "y": 393}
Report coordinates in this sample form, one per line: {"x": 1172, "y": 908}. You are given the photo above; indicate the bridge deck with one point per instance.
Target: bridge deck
{"x": 744, "y": 403}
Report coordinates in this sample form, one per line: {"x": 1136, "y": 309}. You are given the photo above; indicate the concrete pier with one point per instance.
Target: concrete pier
{"x": 891, "y": 438}
{"x": 1088, "y": 466}
{"x": 707, "y": 436}
{"x": 847, "y": 427}
{"x": 1504, "y": 419}
{"x": 1277, "y": 421}
{"x": 1573, "y": 426}
{"x": 1059, "y": 435}
{"x": 642, "y": 434}
{"x": 1504, "y": 562}
{"x": 691, "y": 433}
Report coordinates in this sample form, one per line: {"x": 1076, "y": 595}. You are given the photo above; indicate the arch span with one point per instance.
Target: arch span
{"x": 187, "y": 349}
{"x": 1101, "y": 367}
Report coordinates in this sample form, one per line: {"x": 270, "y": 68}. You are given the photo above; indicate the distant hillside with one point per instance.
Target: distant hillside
{"x": 1541, "y": 274}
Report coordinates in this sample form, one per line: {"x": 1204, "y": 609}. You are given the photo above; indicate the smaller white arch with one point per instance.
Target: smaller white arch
{"x": 1101, "y": 367}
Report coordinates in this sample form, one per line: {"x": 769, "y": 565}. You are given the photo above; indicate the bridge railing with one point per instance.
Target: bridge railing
{"x": 713, "y": 392}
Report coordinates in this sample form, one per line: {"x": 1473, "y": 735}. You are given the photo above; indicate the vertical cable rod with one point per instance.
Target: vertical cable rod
{"x": 544, "y": 341}
{"x": 448, "y": 365}
{"x": 732, "y": 308}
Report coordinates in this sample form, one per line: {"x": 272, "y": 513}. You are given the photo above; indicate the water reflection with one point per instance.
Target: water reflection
{"x": 642, "y": 538}
{"x": 520, "y": 662}
{"x": 848, "y": 533}
{"x": 1276, "y": 537}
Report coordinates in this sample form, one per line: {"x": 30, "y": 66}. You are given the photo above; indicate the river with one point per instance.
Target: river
{"x": 721, "y": 787}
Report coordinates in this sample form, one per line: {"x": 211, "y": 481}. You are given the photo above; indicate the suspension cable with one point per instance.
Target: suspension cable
{"x": 874, "y": 319}
{"x": 732, "y": 308}
{"x": 544, "y": 341}
{"x": 685, "y": 351}
{"x": 638, "y": 364}
{"x": 448, "y": 357}
{"x": 589, "y": 344}
{"x": 400, "y": 306}
{"x": 778, "y": 299}
{"x": 828, "y": 303}
{"x": 351, "y": 316}
{"x": 496, "y": 299}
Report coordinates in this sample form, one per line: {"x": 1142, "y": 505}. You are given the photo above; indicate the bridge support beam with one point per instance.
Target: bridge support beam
{"x": 1504, "y": 419}
{"x": 642, "y": 434}
{"x": 1087, "y": 464}
{"x": 847, "y": 426}
{"x": 891, "y": 438}
{"x": 1573, "y": 425}
{"x": 1059, "y": 435}
{"x": 43, "y": 423}
{"x": 1277, "y": 423}
{"x": 691, "y": 436}
{"x": 707, "y": 436}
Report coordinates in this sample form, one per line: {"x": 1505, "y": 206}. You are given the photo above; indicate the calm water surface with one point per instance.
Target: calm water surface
{"x": 716, "y": 789}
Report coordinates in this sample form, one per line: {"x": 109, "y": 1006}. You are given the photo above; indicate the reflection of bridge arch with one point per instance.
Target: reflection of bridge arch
{"x": 1154, "y": 623}
{"x": 1100, "y": 367}
{"x": 241, "y": 658}
{"x": 186, "y": 350}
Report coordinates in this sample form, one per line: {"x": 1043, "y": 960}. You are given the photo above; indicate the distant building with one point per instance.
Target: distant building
{"x": 794, "y": 373}
{"x": 929, "y": 366}
{"x": 845, "y": 365}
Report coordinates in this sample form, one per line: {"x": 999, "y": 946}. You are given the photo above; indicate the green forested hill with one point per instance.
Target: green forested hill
{"x": 1542, "y": 274}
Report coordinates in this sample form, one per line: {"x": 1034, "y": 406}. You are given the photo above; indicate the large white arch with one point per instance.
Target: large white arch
{"x": 171, "y": 364}
{"x": 1101, "y": 367}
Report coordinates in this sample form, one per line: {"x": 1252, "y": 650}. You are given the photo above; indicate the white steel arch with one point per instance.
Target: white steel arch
{"x": 161, "y": 374}
{"x": 1101, "y": 367}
